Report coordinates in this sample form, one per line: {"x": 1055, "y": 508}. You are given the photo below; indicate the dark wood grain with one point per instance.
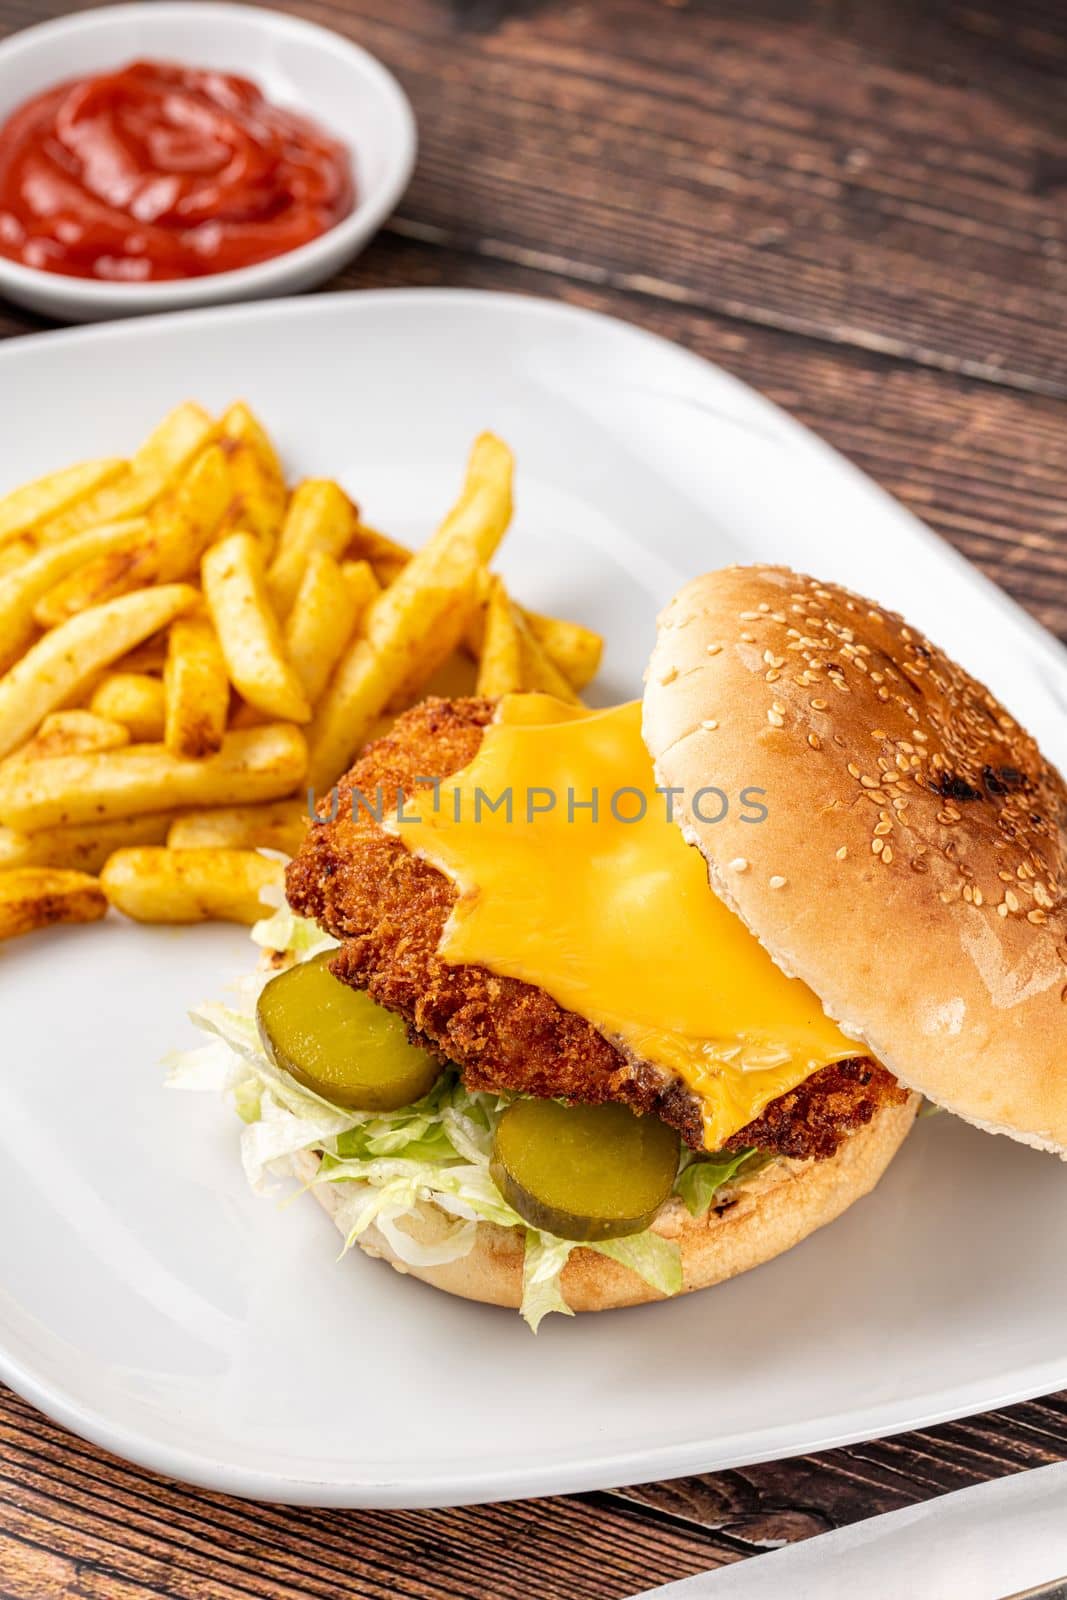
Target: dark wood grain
{"x": 859, "y": 206}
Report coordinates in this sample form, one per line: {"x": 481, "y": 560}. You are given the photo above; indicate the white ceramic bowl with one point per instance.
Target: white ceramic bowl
{"x": 295, "y": 63}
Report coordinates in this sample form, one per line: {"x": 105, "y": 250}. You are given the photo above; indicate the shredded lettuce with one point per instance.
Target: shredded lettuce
{"x": 700, "y": 1181}
{"x": 387, "y": 1163}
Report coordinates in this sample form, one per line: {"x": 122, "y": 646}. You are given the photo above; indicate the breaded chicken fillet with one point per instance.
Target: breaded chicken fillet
{"x": 389, "y": 908}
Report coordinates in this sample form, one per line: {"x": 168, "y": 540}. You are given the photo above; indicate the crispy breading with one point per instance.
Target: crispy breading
{"x": 389, "y": 908}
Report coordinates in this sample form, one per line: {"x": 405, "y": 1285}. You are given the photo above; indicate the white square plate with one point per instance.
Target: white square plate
{"x": 150, "y": 1301}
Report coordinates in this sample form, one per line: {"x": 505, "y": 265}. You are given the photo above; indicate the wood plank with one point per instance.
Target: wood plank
{"x": 792, "y": 176}
{"x": 76, "y": 1522}
{"x": 781, "y": 1501}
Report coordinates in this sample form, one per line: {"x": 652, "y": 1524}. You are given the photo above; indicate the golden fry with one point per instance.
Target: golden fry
{"x": 257, "y": 764}
{"x": 190, "y": 885}
{"x": 363, "y": 583}
{"x": 38, "y": 897}
{"x": 172, "y": 540}
{"x": 22, "y": 588}
{"x": 413, "y": 626}
{"x": 251, "y": 640}
{"x": 150, "y": 657}
{"x": 167, "y": 450}
{"x": 539, "y": 671}
{"x": 190, "y": 515}
{"x": 71, "y": 733}
{"x": 386, "y": 556}
{"x": 63, "y": 661}
{"x": 258, "y": 483}
{"x": 320, "y": 517}
{"x": 196, "y": 688}
{"x": 322, "y": 620}
{"x": 47, "y": 497}
{"x": 133, "y": 699}
{"x": 277, "y": 825}
{"x": 483, "y": 510}
{"x": 18, "y": 552}
{"x": 500, "y": 666}
{"x": 85, "y": 846}
{"x": 575, "y": 649}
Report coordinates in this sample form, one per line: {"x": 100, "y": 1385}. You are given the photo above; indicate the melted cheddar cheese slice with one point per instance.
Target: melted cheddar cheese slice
{"x": 610, "y": 911}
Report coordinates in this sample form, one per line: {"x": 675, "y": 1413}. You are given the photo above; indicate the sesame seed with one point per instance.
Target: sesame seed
{"x": 884, "y": 827}
{"x": 814, "y": 741}
{"x": 775, "y": 718}
{"x": 749, "y": 638}
{"x": 772, "y": 675}
{"x": 776, "y": 882}
{"x": 853, "y": 770}
{"x": 979, "y": 897}
{"x": 710, "y": 724}
{"x": 868, "y": 783}
{"x": 877, "y": 846}
{"x": 819, "y": 705}
{"x": 1011, "y": 900}
{"x": 713, "y": 649}
{"x": 1002, "y": 910}
{"x": 739, "y": 864}
{"x": 887, "y": 854}
{"x": 841, "y": 852}
{"x": 668, "y": 675}
{"x": 1037, "y": 916}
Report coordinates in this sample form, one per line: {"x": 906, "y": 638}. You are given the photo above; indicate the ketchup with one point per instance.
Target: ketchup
{"x": 162, "y": 171}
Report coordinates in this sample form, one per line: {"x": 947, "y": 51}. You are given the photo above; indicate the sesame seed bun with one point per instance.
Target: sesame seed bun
{"x": 759, "y": 1217}
{"x": 912, "y": 867}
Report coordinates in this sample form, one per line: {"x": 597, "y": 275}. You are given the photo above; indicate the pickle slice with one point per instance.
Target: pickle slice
{"x": 583, "y": 1172}
{"x": 339, "y": 1042}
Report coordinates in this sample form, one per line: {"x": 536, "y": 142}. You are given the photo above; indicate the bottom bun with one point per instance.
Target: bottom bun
{"x": 755, "y": 1219}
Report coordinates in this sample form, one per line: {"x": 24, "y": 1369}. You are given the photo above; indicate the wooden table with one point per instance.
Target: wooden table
{"x": 859, "y": 206}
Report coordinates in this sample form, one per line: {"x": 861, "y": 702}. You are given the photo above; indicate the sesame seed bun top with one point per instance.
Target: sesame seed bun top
{"x": 912, "y": 867}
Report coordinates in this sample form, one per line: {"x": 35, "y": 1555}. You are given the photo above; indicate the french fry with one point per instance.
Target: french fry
{"x": 190, "y": 885}
{"x": 167, "y": 450}
{"x": 251, "y": 640}
{"x": 71, "y": 733}
{"x": 500, "y": 666}
{"x": 483, "y": 510}
{"x": 246, "y": 716}
{"x": 575, "y": 649}
{"x": 539, "y": 671}
{"x": 363, "y": 583}
{"x": 258, "y": 764}
{"x": 38, "y": 897}
{"x": 18, "y": 552}
{"x": 190, "y": 515}
{"x": 133, "y": 699}
{"x": 172, "y": 540}
{"x": 256, "y": 476}
{"x": 415, "y": 624}
{"x": 278, "y": 825}
{"x": 386, "y": 556}
{"x": 85, "y": 846}
{"x": 22, "y": 588}
{"x": 320, "y": 517}
{"x": 196, "y": 689}
{"x": 150, "y": 657}
{"x": 60, "y": 663}
{"x": 322, "y": 620}
{"x": 48, "y": 497}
